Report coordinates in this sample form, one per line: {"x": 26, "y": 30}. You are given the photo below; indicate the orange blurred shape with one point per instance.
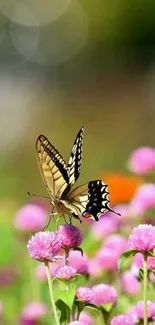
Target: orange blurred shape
{"x": 121, "y": 186}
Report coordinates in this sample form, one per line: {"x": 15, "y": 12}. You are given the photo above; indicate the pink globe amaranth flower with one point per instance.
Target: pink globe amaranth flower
{"x": 139, "y": 309}
{"x": 44, "y": 246}
{"x": 143, "y": 200}
{"x": 130, "y": 283}
{"x": 106, "y": 259}
{"x": 77, "y": 323}
{"x": 86, "y": 318}
{"x": 94, "y": 267}
{"x": 70, "y": 236}
{"x": 142, "y": 238}
{"x": 40, "y": 271}
{"x": 78, "y": 262}
{"x": 117, "y": 243}
{"x": 65, "y": 272}
{"x": 142, "y": 160}
{"x": 34, "y": 311}
{"x": 113, "y": 247}
{"x": 30, "y": 218}
{"x": 139, "y": 259}
{"x": 103, "y": 294}
{"x": 123, "y": 320}
{"x": 105, "y": 226}
{"x": 84, "y": 294}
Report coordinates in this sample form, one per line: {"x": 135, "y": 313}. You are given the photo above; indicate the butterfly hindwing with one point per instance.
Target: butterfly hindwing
{"x": 75, "y": 160}
{"x": 91, "y": 200}
{"x": 53, "y": 167}
{"x": 97, "y": 199}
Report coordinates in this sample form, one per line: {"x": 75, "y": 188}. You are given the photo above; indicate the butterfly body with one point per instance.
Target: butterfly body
{"x": 89, "y": 200}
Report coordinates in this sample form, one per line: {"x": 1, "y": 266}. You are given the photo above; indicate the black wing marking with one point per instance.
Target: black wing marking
{"x": 98, "y": 201}
{"x": 53, "y": 167}
{"x": 75, "y": 160}
{"x": 90, "y": 200}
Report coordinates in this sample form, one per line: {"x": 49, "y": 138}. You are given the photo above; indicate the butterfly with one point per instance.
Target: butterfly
{"x": 88, "y": 200}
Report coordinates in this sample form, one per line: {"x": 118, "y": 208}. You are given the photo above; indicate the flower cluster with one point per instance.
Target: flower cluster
{"x": 112, "y": 267}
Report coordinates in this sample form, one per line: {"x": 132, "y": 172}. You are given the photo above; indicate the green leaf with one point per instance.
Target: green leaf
{"x": 79, "y": 249}
{"x": 141, "y": 274}
{"x": 62, "y": 307}
{"x": 152, "y": 254}
{"x": 123, "y": 258}
{"x": 153, "y": 270}
{"x": 107, "y": 307}
{"x": 67, "y": 296}
{"x": 78, "y": 280}
{"x": 92, "y": 306}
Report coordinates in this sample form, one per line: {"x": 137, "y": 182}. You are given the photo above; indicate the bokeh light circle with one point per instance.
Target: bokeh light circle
{"x": 21, "y": 12}
{"x": 56, "y": 42}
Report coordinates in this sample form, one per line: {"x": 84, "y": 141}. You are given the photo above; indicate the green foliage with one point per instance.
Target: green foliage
{"x": 63, "y": 308}
{"x": 124, "y": 257}
{"x": 66, "y": 296}
{"x": 7, "y": 244}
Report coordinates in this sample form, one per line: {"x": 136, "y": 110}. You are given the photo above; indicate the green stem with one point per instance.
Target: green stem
{"x": 78, "y": 313}
{"x": 66, "y": 256}
{"x": 67, "y": 282}
{"x": 145, "y": 284}
{"x": 51, "y": 293}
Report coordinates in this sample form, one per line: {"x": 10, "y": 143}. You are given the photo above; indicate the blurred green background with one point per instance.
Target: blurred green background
{"x": 65, "y": 64}
{"x": 68, "y": 63}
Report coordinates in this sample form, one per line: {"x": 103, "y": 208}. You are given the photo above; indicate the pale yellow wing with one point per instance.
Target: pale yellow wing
{"x": 75, "y": 160}
{"x": 52, "y": 166}
{"x": 90, "y": 200}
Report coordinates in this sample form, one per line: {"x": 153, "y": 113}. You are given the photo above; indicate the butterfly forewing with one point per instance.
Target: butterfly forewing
{"x": 91, "y": 199}
{"x": 53, "y": 167}
{"x": 75, "y": 160}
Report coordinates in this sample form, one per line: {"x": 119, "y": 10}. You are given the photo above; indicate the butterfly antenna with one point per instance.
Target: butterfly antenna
{"x": 35, "y": 195}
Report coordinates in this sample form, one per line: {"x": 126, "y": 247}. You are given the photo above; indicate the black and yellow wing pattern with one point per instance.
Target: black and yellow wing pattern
{"x": 89, "y": 200}
{"x": 52, "y": 166}
{"x": 75, "y": 160}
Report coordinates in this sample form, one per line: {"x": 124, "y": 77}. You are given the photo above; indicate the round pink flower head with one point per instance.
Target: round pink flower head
{"x": 94, "y": 267}
{"x": 79, "y": 262}
{"x": 142, "y": 238}
{"x": 106, "y": 259}
{"x": 139, "y": 259}
{"x": 84, "y": 294}
{"x": 144, "y": 199}
{"x": 70, "y": 236}
{"x": 86, "y": 318}
{"x": 40, "y": 271}
{"x": 65, "y": 272}
{"x": 44, "y": 246}
{"x": 103, "y": 294}
{"x": 77, "y": 323}
{"x": 30, "y": 218}
{"x": 105, "y": 226}
{"x": 130, "y": 283}
{"x": 123, "y": 320}
{"x": 34, "y": 311}
{"x": 117, "y": 243}
{"x": 139, "y": 309}
{"x": 142, "y": 160}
